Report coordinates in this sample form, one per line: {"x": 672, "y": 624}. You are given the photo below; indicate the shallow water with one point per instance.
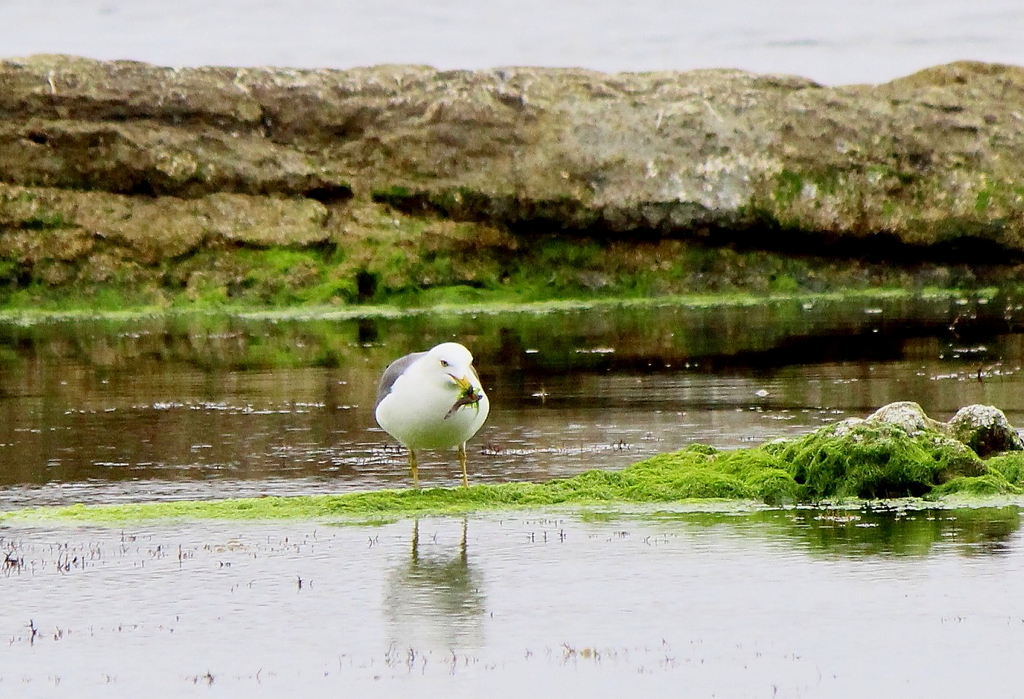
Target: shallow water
{"x": 788, "y": 604}
{"x": 845, "y": 41}
{"x": 200, "y": 407}
{"x": 825, "y": 603}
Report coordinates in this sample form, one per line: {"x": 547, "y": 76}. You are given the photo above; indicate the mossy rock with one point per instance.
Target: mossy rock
{"x": 984, "y": 429}
{"x": 908, "y": 416}
{"x": 874, "y": 459}
{"x": 898, "y": 451}
{"x": 854, "y": 458}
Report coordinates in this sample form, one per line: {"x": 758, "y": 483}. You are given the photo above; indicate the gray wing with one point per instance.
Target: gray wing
{"x": 392, "y": 373}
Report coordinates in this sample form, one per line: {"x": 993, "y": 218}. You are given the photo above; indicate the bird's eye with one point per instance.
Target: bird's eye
{"x": 444, "y": 363}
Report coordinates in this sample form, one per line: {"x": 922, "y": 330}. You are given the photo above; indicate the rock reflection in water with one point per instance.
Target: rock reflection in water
{"x": 435, "y": 598}
{"x": 908, "y": 533}
{"x": 892, "y": 529}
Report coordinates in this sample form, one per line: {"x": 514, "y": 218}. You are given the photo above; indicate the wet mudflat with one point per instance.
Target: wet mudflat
{"x": 729, "y": 604}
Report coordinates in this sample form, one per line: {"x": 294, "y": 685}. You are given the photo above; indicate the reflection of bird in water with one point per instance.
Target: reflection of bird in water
{"x": 432, "y": 400}
{"x": 435, "y": 598}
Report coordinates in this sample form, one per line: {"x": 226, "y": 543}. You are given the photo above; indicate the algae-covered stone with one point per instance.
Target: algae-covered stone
{"x": 874, "y": 459}
{"x": 897, "y": 451}
{"x": 908, "y": 416}
{"x": 985, "y": 429}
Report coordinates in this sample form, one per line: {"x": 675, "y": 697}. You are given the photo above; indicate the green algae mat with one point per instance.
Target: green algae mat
{"x": 866, "y": 460}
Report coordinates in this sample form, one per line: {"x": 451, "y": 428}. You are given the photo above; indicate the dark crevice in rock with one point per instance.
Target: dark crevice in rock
{"x": 144, "y": 188}
{"x": 972, "y": 244}
{"x": 325, "y": 248}
{"x": 366, "y": 285}
{"x": 563, "y": 214}
{"x": 329, "y": 193}
{"x": 874, "y": 247}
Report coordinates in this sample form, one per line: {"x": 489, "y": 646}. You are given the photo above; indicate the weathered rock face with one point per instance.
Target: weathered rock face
{"x": 931, "y": 165}
{"x": 984, "y": 429}
{"x": 908, "y": 416}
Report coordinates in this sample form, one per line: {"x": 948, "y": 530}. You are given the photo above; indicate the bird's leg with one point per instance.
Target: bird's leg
{"x": 412, "y": 468}
{"x": 462, "y": 462}
{"x": 416, "y": 541}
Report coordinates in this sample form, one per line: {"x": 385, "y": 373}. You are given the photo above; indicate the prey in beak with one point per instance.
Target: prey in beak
{"x": 468, "y": 395}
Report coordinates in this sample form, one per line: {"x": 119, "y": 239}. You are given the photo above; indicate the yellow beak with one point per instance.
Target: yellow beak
{"x": 464, "y": 385}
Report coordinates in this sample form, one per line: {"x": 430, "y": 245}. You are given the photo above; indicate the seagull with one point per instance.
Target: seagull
{"x": 432, "y": 400}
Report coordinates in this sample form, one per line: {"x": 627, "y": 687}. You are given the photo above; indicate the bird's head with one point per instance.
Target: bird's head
{"x": 456, "y": 363}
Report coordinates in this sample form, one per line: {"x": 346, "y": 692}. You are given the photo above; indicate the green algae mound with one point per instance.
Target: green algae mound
{"x": 874, "y": 460}
{"x": 898, "y": 451}
{"x": 701, "y": 471}
{"x": 1004, "y": 475}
